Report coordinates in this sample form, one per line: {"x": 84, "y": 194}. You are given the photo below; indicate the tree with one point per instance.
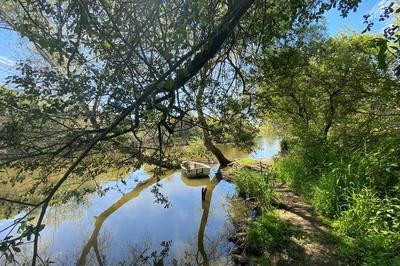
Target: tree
{"x": 330, "y": 89}
{"x": 205, "y": 129}
{"x": 155, "y": 93}
{"x": 114, "y": 79}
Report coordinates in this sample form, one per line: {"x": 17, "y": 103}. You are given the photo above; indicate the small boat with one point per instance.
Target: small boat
{"x": 195, "y": 169}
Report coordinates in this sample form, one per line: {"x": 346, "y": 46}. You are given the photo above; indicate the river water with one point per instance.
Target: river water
{"x": 146, "y": 222}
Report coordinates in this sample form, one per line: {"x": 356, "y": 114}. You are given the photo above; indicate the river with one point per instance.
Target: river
{"x": 145, "y": 221}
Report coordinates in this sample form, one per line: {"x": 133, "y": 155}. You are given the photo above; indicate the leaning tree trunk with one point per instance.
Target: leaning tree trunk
{"x": 206, "y": 135}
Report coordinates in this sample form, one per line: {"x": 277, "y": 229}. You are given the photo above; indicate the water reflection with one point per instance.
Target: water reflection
{"x": 206, "y": 195}
{"x": 93, "y": 243}
{"x": 208, "y": 188}
{"x": 264, "y": 148}
{"x": 114, "y": 229}
{"x": 206, "y": 201}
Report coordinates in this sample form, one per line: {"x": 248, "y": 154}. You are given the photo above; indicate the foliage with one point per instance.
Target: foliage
{"x": 196, "y": 149}
{"x": 235, "y": 124}
{"x": 326, "y": 88}
{"x": 299, "y": 168}
{"x": 359, "y": 191}
{"x": 388, "y": 56}
{"x": 251, "y": 184}
{"x": 374, "y": 223}
{"x": 340, "y": 112}
{"x": 269, "y": 232}
{"x": 377, "y": 169}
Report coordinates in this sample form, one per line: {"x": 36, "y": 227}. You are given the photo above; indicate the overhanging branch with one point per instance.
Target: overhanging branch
{"x": 203, "y": 53}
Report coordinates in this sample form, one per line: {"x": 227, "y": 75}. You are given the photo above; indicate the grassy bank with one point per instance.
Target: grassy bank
{"x": 356, "y": 193}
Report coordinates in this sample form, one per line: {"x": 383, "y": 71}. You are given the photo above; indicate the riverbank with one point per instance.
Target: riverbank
{"x": 282, "y": 229}
{"x": 313, "y": 207}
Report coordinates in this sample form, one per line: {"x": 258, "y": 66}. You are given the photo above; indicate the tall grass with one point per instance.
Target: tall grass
{"x": 251, "y": 184}
{"x": 360, "y": 191}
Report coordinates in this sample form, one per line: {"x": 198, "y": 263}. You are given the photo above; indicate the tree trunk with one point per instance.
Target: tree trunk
{"x": 205, "y": 204}
{"x": 206, "y": 135}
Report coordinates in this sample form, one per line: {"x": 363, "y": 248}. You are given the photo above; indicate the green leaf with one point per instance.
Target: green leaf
{"x": 382, "y": 54}
{"x": 106, "y": 44}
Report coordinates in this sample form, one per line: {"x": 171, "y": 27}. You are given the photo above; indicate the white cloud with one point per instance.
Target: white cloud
{"x": 6, "y": 61}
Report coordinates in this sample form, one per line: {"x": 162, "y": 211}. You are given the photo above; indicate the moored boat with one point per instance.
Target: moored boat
{"x": 195, "y": 169}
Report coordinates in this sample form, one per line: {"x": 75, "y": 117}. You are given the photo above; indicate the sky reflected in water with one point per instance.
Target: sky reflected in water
{"x": 127, "y": 224}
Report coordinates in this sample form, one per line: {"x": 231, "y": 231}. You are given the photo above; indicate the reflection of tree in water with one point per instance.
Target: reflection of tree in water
{"x": 208, "y": 248}
{"x": 203, "y": 251}
{"x": 206, "y": 202}
{"x": 143, "y": 253}
{"x": 95, "y": 256}
{"x": 216, "y": 249}
{"x": 93, "y": 240}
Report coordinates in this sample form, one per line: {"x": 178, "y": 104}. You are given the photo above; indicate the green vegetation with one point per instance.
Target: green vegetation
{"x": 249, "y": 161}
{"x": 117, "y": 84}
{"x": 360, "y": 193}
{"x": 269, "y": 232}
{"x": 341, "y": 121}
{"x": 337, "y": 109}
{"x": 251, "y": 184}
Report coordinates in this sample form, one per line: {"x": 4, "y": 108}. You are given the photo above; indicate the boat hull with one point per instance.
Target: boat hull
{"x": 195, "y": 170}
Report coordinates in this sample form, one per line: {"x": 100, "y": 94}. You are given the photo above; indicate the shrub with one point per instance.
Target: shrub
{"x": 380, "y": 168}
{"x": 294, "y": 171}
{"x": 332, "y": 194}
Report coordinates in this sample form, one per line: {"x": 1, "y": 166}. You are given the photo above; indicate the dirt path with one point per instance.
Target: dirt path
{"x": 313, "y": 245}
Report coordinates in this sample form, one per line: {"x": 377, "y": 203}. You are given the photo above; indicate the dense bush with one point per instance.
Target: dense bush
{"x": 302, "y": 168}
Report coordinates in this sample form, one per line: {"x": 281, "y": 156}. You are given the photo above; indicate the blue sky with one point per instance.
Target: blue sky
{"x": 355, "y": 20}
{"x": 12, "y": 48}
